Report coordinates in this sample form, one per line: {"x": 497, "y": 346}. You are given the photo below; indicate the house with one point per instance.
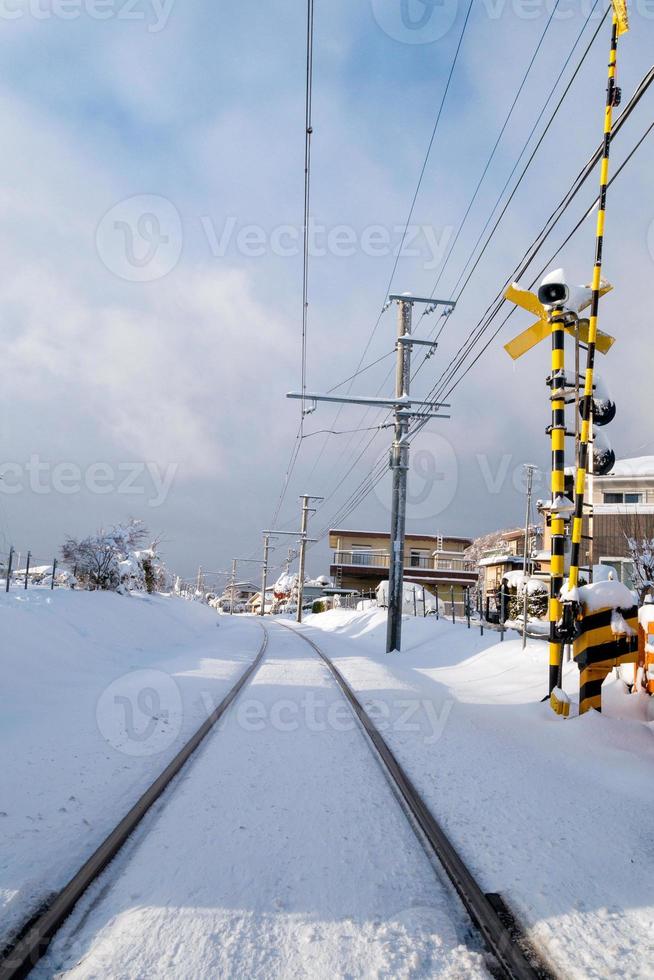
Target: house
{"x": 498, "y": 554}
{"x": 361, "y": 561}
{"x": 623, "y": 511}
{"x": 242, "y": 593}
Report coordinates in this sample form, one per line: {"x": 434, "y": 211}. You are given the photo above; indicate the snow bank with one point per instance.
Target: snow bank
{"x": 99, "y": 691}
{"x": 533, "y": 802}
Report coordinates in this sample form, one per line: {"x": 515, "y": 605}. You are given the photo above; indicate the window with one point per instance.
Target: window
{"x": 418, "y": 558}
{"x": 623, "y": 568}
{"x": 361, "y": 554}
{"x": 623, "y": 498}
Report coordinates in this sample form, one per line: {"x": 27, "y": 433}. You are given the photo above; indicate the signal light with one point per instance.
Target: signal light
{"x": 603, "y": 455}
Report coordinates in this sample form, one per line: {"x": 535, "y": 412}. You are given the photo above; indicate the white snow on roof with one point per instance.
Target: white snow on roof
{"x": 636, "y": 466}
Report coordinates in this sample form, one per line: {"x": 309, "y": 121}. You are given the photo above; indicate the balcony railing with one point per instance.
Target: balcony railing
{"x": 381, "y": 559}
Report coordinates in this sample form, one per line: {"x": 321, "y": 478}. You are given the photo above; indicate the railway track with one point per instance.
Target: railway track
{"x": 35, "y": 937}
{"x": 513, "y": 958}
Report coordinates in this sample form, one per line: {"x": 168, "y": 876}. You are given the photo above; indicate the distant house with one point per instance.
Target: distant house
{"x": 361, "y": 561}
{"x": 502, "y": 552}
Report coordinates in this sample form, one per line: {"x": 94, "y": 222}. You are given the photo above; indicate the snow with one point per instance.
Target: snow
{"x": 636, "y": 466}
{"x": 282, "y": 852}
{"x": 74, "y": 757}
{"x": 605, "y": 595}
{"x": 553, "y": 813}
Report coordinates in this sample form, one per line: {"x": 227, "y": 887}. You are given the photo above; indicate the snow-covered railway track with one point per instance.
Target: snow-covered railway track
{"x": 489, "y": 913}
{"x": 34, "y": 939}
{"x": 258, "y": 775}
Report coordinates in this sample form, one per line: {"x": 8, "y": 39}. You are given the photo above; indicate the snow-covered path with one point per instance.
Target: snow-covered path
{"x": 279, "y": 852}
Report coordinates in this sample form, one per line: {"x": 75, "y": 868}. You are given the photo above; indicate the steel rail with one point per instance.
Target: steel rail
{"x": 487, "y": 911}
{"x": 24, "y": 954}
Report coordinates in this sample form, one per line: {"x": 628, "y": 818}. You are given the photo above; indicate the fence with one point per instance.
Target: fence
{"x": 24, "y": 570}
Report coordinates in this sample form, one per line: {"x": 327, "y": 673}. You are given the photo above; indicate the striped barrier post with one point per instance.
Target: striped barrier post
{"x": 612, "y": 99}
{"x": 602, "y": 643}
{"x": 557, "y": 525}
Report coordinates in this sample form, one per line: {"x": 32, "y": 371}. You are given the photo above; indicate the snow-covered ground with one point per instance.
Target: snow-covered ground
{"x": 280, "y": 852}
{"x": 554, "y": 814}
{"x": 83, "y": 676}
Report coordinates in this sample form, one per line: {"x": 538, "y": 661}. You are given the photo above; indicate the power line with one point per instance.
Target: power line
{"x": 553, "y": 88}
{"x": 406, "y": 225}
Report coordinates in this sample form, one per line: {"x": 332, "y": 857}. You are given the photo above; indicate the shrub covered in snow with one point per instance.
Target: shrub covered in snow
{"x": 112, "y": 560}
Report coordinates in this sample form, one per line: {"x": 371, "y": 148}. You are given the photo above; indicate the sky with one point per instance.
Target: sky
{"x": 151, "y": 187}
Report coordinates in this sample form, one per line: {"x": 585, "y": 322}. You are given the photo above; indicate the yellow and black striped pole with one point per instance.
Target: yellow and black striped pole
{"x": 557, "y": 526}
{"x": 619, "y": 25}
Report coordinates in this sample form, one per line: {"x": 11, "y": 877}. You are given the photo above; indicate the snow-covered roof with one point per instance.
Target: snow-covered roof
{"x": 500, "y": 559}
{"x": 634, "y": 467}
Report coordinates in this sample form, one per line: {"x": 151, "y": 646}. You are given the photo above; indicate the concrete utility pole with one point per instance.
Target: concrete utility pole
{"x": 530, "y": 479}
{"x": 306, "y": 510}
{"x": 232, "y": 588}
{"x": 264, "y": 573}
{"x": 399, "y": 466}
{"x": 404, "y": 409}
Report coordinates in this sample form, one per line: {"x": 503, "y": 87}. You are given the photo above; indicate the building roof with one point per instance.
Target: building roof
{"x": 386, "y": 534}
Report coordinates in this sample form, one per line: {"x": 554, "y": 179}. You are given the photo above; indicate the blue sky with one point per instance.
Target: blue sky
{"x": 194, "y": 113}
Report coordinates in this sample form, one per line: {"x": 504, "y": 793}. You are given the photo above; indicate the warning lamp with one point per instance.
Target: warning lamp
{"x": 603, "y": 455}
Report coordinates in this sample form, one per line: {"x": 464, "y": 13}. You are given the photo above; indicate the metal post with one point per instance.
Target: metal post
{"x": 399, "y": 466}
{"x": 233, "y": 585}
{"x": 530, "y": 477}
{"x": 27, "y": 567}
{"x": 481, "y": 613}
{"x": 557, "y": 525}
{"x": 9, "y": 564}
{"x": 415, "y": 605}
{"x": 502, "y": 610}
{"x": 264, "y": 574}
{"x": 54, "y": 569}
{"x": 585, "y": 441}
{"x": 467, "y": 595}
{"x": 452, "y": 600}
{"x": 438, "y": 612}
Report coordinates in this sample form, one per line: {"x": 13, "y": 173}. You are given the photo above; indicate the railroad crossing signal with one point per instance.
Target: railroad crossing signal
{"x": 578, "y": 299}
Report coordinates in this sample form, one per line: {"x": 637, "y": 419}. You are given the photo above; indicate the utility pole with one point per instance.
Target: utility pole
{"x": 264, "y": 572}
{"x": 27, "y": 567}
{"x": 404, "y": 409}
{"x": 399, "y": 467}
{"x": 232, "y": 588}
{"x": 9, "y": 564}
{"x": 199, "y": 583}
{"x": 306, "y": 510}
{"x": 530, "y": 479}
